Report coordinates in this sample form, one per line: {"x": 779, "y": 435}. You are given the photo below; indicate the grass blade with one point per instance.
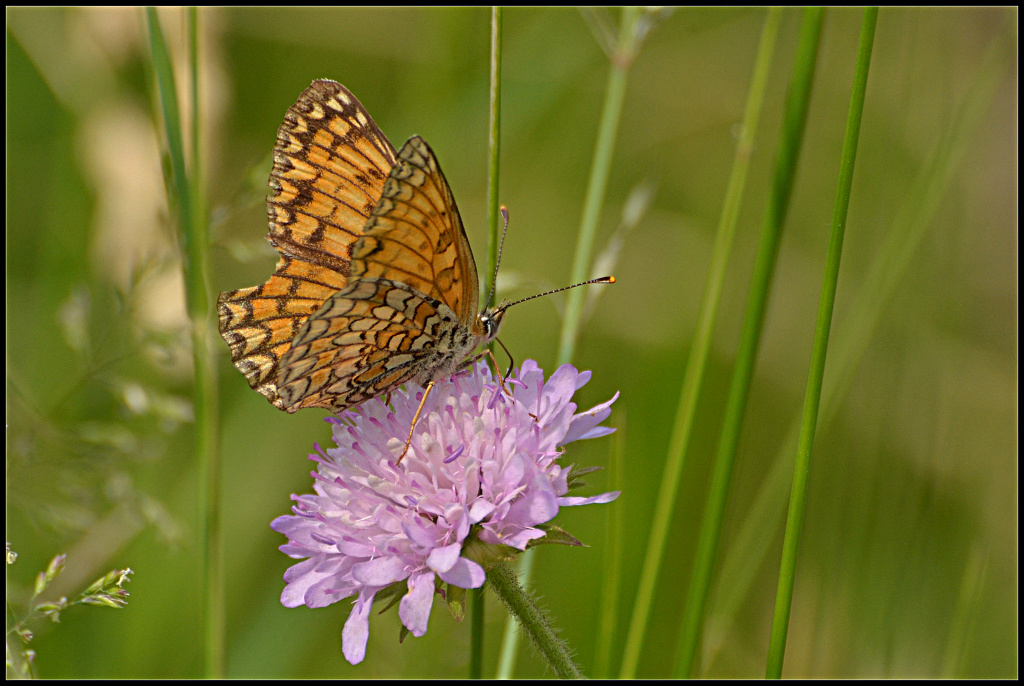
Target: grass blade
{"x": 787, "y": 572}
{"x": 778, "y": 203}
{"x": 194, "y": 233}
{"x": 700, "y": 350}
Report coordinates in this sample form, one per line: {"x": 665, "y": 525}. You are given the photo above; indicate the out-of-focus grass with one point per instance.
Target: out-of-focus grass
{"x": 922, "y": 448}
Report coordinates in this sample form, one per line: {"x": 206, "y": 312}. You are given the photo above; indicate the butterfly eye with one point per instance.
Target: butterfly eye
{"x": 490, "y": 323}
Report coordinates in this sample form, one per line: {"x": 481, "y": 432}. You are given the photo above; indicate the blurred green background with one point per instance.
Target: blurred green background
{"x": 908, "y": 566}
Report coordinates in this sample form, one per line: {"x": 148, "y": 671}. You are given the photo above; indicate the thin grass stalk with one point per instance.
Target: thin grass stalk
{"x": 700, "y": 350}
{"x": 193, "y": 63}
{"x": 965, "y": 618}
{"x": 611, "y": 575}
{"x": 493, "y": 240}
{"x": 477, "y": 621}
{"x": 801, "y": 472}
{"x": 476, "y": 633}
{"x": 795, "y": 118}
{"x": 600, "y": 170}
{"x": 615, "y": 95}
{"x": 194, "y": 233}
{"x": 751, "y": 544}
{"x": 494, "y": 148}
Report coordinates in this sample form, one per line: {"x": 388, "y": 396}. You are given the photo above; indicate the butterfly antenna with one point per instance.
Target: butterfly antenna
{"x": 497, "y": 263}
{"x": 603, "y": 279}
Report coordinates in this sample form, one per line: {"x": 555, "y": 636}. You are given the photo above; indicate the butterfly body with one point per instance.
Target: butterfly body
{"x": 376, "y": 285}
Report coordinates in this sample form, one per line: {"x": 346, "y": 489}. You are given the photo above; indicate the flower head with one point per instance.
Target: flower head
{"x": 481, "y": 465}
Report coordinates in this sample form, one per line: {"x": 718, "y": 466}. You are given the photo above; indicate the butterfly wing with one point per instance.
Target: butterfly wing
{"x": 415, "y": 235}
{"x": 409, "y": 308}
{"x": 366, "y": 340}
{"x": 330, "y": 164}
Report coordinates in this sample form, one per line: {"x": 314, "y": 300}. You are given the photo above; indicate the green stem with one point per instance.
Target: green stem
{"x": 621, "y": 60}
{"x": 611, "y": 574}
{"x": 794, "y": 524}
{"x": 195, "y": 235}
{"x": 503, "y": 580}
{"x": 493, "y": 166}
{"x": 476, "y": 633}
{"x": 699, "y": 351}
{"x": 615, "y": 95}
{"x": 750, "y": 544}
{"x": 794, "y": 121}
{"x": 494, "y": 150}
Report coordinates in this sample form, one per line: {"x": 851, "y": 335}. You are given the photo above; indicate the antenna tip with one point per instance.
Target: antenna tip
{"x": 611, "y": 279}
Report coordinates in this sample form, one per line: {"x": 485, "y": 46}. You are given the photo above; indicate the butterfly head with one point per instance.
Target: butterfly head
{"x": 489, "y": 321}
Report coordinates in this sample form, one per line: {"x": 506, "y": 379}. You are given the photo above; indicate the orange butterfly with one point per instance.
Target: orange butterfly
{"x": 376, "y": 284}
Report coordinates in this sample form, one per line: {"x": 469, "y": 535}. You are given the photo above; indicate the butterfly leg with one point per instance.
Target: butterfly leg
{"x": 416, "y": 417}
{"x": 511, "y": 364}
{"x": 498, "y": 371}
{"x": 487, "y": 353}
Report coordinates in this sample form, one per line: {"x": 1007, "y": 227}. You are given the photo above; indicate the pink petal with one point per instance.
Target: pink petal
{"x": 538, "y": 505}
{"x": 357, "y": 628}
{"x": 583, "y": 378}
{"x": 443, "y": 559}
{"x": 465, "y": 574}
{"x": 520, "y": 539}
{"x": 583, "y": 422}
{"x": 414, "y": 609}
{"x": 603, "y": 498}
{"x": 480, "y": 509}
{"x": 380, "y": 572}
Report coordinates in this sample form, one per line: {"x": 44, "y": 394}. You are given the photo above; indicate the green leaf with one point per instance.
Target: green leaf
{"x": 554, "y": 534}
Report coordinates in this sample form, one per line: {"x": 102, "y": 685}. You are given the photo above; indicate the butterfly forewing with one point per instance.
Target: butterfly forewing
{"x": 409, "y": 309}
{"x": 415, "y": 235}
{"x": 330, "y": 164}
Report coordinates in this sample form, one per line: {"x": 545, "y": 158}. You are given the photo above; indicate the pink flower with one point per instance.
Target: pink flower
{"x": 480, "y": 465}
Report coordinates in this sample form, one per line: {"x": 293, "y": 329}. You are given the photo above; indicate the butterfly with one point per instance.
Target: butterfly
{"x": 376, "y": 285}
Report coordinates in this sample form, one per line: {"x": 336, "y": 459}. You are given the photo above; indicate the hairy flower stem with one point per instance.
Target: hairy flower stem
{"x": 533, "y": 622}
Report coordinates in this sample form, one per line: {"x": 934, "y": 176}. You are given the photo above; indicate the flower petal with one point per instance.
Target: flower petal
{"x": 596, "y": 432}
{"x": 357, "y": 627}
{"x": 294, "y": 592}
{"x": 520, "y": 539}
{"x": 480, "y": 509}
{"x": 465, "y": 573}
{"x": 583, "y": 378}
{"x": 414, "y": 609}
{"x": 442, "y": 559}
{"x": 562, "y": 384}
{"x": 380, "y": 572}
{"x": 536, "y": 506}
{"x": 583, "y": 422}
{"x": 603, "y": 498}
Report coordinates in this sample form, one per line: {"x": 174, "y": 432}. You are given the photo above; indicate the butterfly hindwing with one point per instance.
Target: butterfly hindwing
{"x": 259, "y": 323}
{"x": 366, "y": 340}
{"x": 330, "y": 164}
